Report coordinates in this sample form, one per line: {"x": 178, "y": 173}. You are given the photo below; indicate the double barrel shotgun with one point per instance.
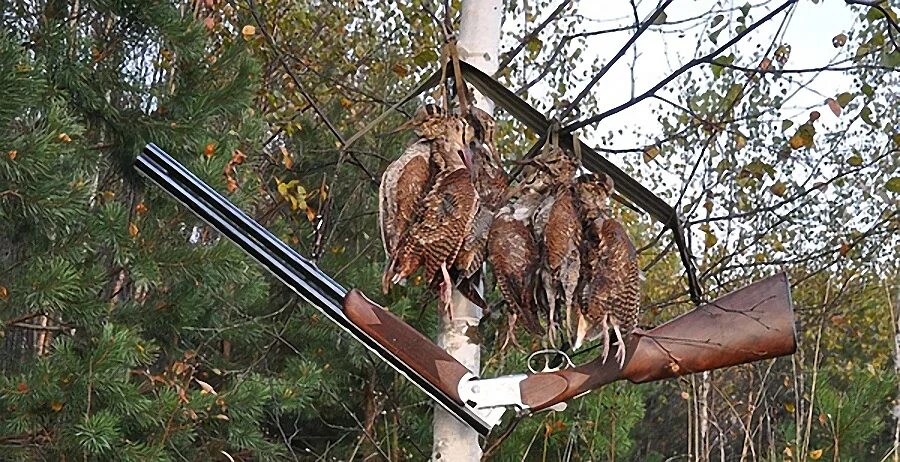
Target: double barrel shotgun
{"x": 753, "y": 323}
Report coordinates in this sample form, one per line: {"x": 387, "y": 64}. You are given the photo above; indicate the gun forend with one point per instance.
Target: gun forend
{"x": 750, "y": 324}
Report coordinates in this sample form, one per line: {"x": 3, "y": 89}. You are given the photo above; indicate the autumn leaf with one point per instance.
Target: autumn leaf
{"x": 650, "y": 152}
{"x": 855, "y": 160}
{"x": 286, "y": 158}
{"x": 56, "y": 406}
{"x": 789, "y": 407}
{"x": 778, "y": 189}
{"x": 783, "y": 53}
{"x": 399, "y": 69}
{"x": 4, "y": 293}
{"x": 248, "y": 32}
{"x": 765, "y": 64}
{"x": 839, "y": 40}
{"x": 685, "y": 395}
{"x": 133, "y": 230}
{"x": 209, "y": 150}
{"x": 786, "y": 124}
{"x": 140, "y": 208}
{"x": 815, "y": 454}
{"x": 844, "y": 249}
{"x": 64, "y": 137}
{"x": 834, "y": 106}
{"x": 346, "y": 103}
{"x": 12, "y": 154}
{"x": 893, "y": 185}
{"x": 209, "y": 23}
{"x": 22, "y": 387}
{"x": 221, "y": 417}
{"x": 710, "y": 239}
{"x": 310, "y": 213}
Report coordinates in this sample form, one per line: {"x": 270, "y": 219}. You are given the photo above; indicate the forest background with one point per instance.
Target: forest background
{"x": 131, "y": 331}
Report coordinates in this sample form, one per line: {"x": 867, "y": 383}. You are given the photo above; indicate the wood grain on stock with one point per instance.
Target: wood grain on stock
{"x": 410, "y": 346}
{"x": 750, "y": 324}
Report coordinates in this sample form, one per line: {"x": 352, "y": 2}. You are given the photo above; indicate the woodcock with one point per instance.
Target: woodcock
{"x": 427, "y": 200}
{"x": 514, "y": 244}
{"x": 491, "y": 184}
{"x": 610, "y": 277}
{"x": 557, "y": 224}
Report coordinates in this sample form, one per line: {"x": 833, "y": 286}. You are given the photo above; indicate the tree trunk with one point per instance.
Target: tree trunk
{"x": 479, "y": 42}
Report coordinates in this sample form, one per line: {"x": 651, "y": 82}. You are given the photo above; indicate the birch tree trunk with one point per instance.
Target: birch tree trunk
{"x": 479, "y": 42}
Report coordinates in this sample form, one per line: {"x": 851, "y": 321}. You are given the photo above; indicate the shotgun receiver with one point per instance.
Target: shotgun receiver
{"x": 750, "y": 324}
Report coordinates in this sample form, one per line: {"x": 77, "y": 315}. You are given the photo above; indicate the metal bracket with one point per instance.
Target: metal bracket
{"x": 489, "y": 398}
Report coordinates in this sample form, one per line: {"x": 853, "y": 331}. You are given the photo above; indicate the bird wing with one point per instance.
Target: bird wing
{"x": 402, "y": 186}
{"x": 444, "y": 219}
{"x": 563, "y": 229}
{"x": 614, "y": 287}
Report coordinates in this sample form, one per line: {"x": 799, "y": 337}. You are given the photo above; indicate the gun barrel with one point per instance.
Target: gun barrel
{"x": 299, "y": 274}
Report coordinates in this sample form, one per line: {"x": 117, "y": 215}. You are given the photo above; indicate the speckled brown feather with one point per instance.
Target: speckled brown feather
{"x": 402, "y": 186}
{"x": 443, "y": 221}
{"x": 513, "y": 254}
{"x": 614, "y": 287}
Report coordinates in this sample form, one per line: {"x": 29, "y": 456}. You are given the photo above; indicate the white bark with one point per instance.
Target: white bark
{"x": 479, "y": 42}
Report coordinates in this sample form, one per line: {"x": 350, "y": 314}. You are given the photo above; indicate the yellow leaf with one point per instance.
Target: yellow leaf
{"x": 133, "y": 230}
{"x": 789, "y": 407}
{"x": 4, "y": 293}
{"x": 12, "y": 154}
{"x": 248, "y": 31}
{"x": 740, "y": 141}
{"x": 797, "y": 141}
{"x": 65, "y": 138}
{"x": 710, "y": 240}
{"x": 56, "y": 406}
{"x": 788, "y": 452}
{"x": 815, "y": 454}
{"x": 346, "y": 103}
{"x": 310, "y": 213}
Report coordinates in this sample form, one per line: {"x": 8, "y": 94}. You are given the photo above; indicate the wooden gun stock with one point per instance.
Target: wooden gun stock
{"x": 408, "y": 344}
{"x": 750, "y": 324}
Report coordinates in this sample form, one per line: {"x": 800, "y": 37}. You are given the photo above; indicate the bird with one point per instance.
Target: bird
{"x": 425, "y": 214}
{"x": 514, "y": 246}
{"x": 490, "y": 181}
{"x": 557, "y": 224}
{"x": 512, "y": 250}
{"x": 610, "y": 277}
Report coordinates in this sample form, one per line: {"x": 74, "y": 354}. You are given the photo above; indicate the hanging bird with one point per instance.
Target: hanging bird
{"x": 444, "y": 207}
{"x": 513, "y": 253}
{"x": 610, "y": 284}
{"x": 559, "y": 229}
{"x": 491, "y": 183}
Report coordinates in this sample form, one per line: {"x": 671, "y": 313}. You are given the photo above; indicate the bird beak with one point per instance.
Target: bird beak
{"x": 405, "y": 126}
{"x": 467, "y": 157}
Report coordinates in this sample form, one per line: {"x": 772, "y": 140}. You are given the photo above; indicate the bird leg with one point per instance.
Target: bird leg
{"x": 605, "y": 332}
{"x": 511, "y": 332}
{"x": 446, "y": 290}
{"x": 620, "y": 352}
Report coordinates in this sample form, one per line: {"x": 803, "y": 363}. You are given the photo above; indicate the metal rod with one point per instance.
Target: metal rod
{"x": 290, "y": 270}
